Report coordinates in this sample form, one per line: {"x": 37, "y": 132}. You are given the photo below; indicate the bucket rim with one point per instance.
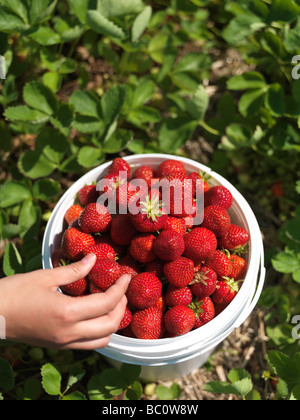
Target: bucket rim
{"x": 256, "y": 253}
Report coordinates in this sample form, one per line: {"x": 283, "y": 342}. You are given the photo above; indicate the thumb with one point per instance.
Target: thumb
{"x": 73, "y": 272}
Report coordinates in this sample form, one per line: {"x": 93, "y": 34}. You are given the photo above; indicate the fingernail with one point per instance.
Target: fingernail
{"x": 89, "y": 259}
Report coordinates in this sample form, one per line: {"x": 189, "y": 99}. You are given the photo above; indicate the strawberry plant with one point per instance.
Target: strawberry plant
{"x": 88, "y": 82}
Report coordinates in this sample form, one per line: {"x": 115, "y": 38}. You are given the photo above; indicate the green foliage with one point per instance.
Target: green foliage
{"x": 240, "y": 385}
{"x": 89, "y": 80}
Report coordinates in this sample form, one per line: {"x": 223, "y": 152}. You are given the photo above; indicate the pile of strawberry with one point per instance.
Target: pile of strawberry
{"x": 183, "y": 276}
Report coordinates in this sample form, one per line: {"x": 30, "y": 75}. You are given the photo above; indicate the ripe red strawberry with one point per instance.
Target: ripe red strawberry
{"x": 102, "y": 251}
{"x": 235, "y": 239}
{"x": 126, "y": 321}
{"x": 204, "y": 283}
{"x": 180, "y": 273}
{"x": 148, "y": 324}
{"x": 196, "y": 177}
{"x": 200, "y": 244}
{"x": 181, "y": 201}
{"x": 74, "y": 242}
{"x": 122, "y": 231}
{"x": 176, "y": 296}
{"x": 106, "y": 239}
{"x": 176, "y": 224}
{"x": 87, "y": 195}
{"x": 156, "y": 267}
{"x": 93, "y": 289}
{"x": 95, "y": 219}
{"x": 120, "y": 165}
{"x": 78, "y": 288}
{"x": 169, "y": 245}
{"x": 105, "y": 273}
{"x": 179, "y": 320}
{"x": 216, "y": 219}
{"x": 124, "y": 194}
{"x": 226, "y": 291}
{"x": 220, "y": 263}
{"x": 129, "y": 266}
{"x": 204, "y": 311}
{"x": 151, "y": 216}
{"x": 110, "y": 183}
{"x": 168, "y": 166}
{"x": 144, "y": 172}
{"x": 144, "y": 290}
{"x": 239, "y": 267}
{"x": 142, "y": 248}
{"x": 73, "y": 213}
{"x": 218, "y": 196}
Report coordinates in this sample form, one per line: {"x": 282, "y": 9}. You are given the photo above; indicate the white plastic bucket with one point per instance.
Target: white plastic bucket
{"x": 170, "y": 358}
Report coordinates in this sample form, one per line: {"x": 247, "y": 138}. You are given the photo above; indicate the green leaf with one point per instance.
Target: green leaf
{"x": 283, "y": 11}
{"x": 238, "y": 136}
{"x": 275, "y": 100}
{"x": 44, "y": 36}
{"x": 19, "y": 7}
{"x": 286, "y": 262}
{"x": 131, "y": 373}
{"x": 117, "y": 142}
{"x": 9, "y": 21}
{"x": 113, "y": 381}
{"x": 46, "y": 189}
{"x": 285, "y": 367}
{"x": 79, "y": 8}
{"x": 134, "y": 392}
{"x": 7, "y": 380}
{"x": 175, "y": 132}
{"x": 86, "y": 103}
{"x": 5, "y": 136}
{"x": 35, "y": 165}
{"x": 140, "y": 23}
{"x": 220, "y": 388}
{"x": 96, "y": 389}
{"x": 89, "y": 157}
{"x": 292, "y": 40}
{"x": 41, "y": 10}
{"x": 29, "y": 220}
{"x": 26, "y": 115}
{"x": 51, "y": 379}
{"x": 165, "y": 393}
{"x": 251, "y": 102}
{"x": 13, "y": 192}
{"x": 41, "y": 98}
{"x": 247, "y": 80}
{"x": 143, "y": 93}
{"x": 10, "y": 231}
{"x": 242, "y": 27}
{"x": 192, "y": 62}
{"x": 114, "y": 8}
{"x": 198, "y": 104}
{"x": 74, "y": 396}
{"x": 87, "y": 124}
{"x": 111, "y": 104}
{"x": 52, "y": 144}
{"x": 143, "y": 115}
{"x": 12, "y": 261}
{"x": 103, "y": 26}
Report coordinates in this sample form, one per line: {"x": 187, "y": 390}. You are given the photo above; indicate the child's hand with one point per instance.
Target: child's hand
{"x": 37, "y": 314}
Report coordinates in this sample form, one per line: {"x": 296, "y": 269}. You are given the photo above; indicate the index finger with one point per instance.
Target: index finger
{"x": 99, "y": 304}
